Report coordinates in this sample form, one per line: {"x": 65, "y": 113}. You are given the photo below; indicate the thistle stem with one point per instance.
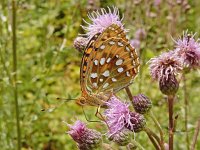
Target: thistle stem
{"x": 194, "y": 141}
{"x": 171, "y": 121}
{"x": 15, "y": 89}
{"x": 153, "y": 138}
{"x": 137, "y": 144}
{"x": 186, "y": 110}
{"x": 128, "y": 91}
{"x": 159, "y": 128}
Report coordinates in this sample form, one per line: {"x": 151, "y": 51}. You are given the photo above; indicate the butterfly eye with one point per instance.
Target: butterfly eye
{"x": 81, "y": 101}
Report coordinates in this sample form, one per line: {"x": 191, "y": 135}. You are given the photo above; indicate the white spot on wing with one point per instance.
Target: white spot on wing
{"x": 120, "y": 69}
{"x": 128, "y": 74}
{"x": 119, "y": 62}
{"x": 108, "y": 60}
{"x": 114, "y": 80}
{"x": 132, "y": 55}
{"x": 101, "y": 80}
{"x": 117, "y": 56}
{"x": 96, "y": 62}
{"x": 134, "y": 64}
{"x": 93, "y": 75}
{"x": 105, "y": 85}
{"x": 111, "y": 42}
{"x": 102, "y": 47}
{"x": 127, "y": 48}
{"x": 120, "y": 44}
{"x": 94, "y": 84}
{"x": 102, "y": 61}
{"x": 106, "y": 73}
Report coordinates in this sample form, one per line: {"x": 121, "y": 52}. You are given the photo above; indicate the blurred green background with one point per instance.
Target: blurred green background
{"x": 48, "y": 67}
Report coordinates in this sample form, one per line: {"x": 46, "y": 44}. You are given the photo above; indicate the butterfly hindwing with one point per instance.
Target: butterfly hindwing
{"x": 114, "y": 66}
{"x": 93, "y": 45}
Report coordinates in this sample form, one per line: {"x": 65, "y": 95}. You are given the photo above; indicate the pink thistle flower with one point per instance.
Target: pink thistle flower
{"x": 189, "y": 50}
{"x": 135, "y": 43}
{"x": 119, "y": 118}
{"x": 117, "y": 115}
{"x": 157, "y": 2}
{"x": 86, "y": 138}
{"x": 101, "y": 20}
{"x": 165, "y": 65}
{"x": 140, "y": 34}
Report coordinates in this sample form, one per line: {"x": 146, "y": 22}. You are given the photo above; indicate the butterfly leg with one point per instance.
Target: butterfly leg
{"x": 88, "y": 118}
{"x": 98, "y": 114}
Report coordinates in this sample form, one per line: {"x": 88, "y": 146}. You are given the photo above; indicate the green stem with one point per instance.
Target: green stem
{"x": 128, "y": 91}
{"x": 137, "y": 144}
{"x": 171, "y": 121}
{"x": 14, "y": 48}
{"x": 194, "y": 141}
{"x": 159, "y": 128}
{"x": 186, "y": 111}
{"x": 153, "y": 138}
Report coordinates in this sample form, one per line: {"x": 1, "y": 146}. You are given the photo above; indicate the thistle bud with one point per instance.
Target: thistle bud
{"x": 137, "y": 122}
{"x": 80, "y": 43}
{"x": 121, "y": 138}
{"x": 87, "y": 139}
{"x": 141, "y": 103}
{"x": 169, "y": 85}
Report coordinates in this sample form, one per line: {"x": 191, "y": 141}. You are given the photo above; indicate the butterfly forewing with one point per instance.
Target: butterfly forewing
{"x": 93, "y": 45}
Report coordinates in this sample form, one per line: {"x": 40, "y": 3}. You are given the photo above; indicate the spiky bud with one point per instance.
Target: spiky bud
{"x": 169, "y": 85}
{"x": 87, "y": 139}
{"x": 80, "y": 43}
{"x": 137, "y": 122}
{"x": 121, "y": 138}
{"x": 141, "y": 103}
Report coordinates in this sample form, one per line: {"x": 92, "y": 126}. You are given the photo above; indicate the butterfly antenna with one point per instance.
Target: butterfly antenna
{"x": 65, "y": 99}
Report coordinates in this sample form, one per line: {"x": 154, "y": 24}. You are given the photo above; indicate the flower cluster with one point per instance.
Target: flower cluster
{"x": 165, "y": 67}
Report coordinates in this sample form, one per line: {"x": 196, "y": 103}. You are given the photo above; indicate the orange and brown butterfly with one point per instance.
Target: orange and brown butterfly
{"x": 109, "y": 62}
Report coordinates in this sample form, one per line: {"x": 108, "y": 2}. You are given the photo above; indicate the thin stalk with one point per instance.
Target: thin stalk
{"x": 138, "y": 145}
{"x": 152, "y": 138}
{"x": 194, "y": 141}
{"x": 171, "y": 121}
{"x": 128, "y": 91}
{"x": 15, "y": 90}
{"x": 159, "y": 128}
{"x": 186, "y": 111}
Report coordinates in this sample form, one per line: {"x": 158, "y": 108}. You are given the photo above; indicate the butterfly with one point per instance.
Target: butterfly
{"x": 109, "y": 64}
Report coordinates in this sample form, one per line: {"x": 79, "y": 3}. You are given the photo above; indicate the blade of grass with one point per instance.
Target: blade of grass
{"x": 15, "y": 89}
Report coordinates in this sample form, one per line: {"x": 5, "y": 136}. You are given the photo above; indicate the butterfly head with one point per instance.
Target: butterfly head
{"x": 81, "y": 101}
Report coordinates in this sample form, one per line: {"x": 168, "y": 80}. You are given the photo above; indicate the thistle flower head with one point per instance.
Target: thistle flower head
{"x": 135, "y": 43}
{"x": 117, "y": 115}
{"x": 169, "y": 85}
{"x": 140, "y": 34}
{"x": 141, "y": 103}
{"x": 86, "y": 138}
{"x": 119, "y": 118}
{"x": 136, "y": 122}
{"x": 80, "y": 43}
{"x": 121, "y": 138}
{"x": 102, "y": 19}
{"x": 164, "y": 65}
{"x": 189, "y": 50}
